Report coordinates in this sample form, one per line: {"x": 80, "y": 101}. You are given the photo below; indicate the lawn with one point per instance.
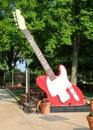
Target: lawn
{"x": 18, "y": 92}
{"x": 89, "y": 95}
{"x": 87, "y": 90}
{"x": 34, "y": 93}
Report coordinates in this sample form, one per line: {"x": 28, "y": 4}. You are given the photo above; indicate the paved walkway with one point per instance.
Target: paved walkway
{"x": 12, "y": 117}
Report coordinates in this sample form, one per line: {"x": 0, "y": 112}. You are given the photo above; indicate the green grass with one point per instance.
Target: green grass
{"x": 18, "y": 92}
{"x": 89, "y": 95}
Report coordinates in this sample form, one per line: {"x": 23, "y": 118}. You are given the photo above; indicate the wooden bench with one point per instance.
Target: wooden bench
{"x": 29, "y": 105}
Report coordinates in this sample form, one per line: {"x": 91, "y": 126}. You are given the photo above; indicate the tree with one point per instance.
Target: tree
{"x": 54, "y": 24}
{"x": 12, "y": 42}
{"x": 82, "y": 13}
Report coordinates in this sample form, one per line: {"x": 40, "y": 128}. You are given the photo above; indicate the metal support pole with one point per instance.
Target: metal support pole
{"x": 27, "y": 80}
{"x": 12, "y": 77}
{"x": 4, "y": 78}
{"x": 28, "y": 86}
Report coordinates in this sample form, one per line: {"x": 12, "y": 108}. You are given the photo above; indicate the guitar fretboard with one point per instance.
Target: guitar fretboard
{"x": 39, "y": 55}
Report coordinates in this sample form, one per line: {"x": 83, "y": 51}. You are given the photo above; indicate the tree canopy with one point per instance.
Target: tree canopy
{"x": 62, "y": 29}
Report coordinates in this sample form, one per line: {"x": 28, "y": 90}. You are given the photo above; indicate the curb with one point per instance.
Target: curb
{"x": 12, "y": 94}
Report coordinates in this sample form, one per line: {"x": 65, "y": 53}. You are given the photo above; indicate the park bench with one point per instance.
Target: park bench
{"x": 29, "y": 105}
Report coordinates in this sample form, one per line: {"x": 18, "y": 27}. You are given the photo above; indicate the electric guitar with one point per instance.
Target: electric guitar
{"x": 60, "y": 91}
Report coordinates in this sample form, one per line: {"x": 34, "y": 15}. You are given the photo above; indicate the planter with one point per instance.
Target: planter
{"x": 90, "y": 122}
{"x": 45, "y": 108}
{"x": 91, "y": 104}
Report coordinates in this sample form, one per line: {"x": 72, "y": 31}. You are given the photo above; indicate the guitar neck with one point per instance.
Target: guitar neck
{"x": 39, "y": 55}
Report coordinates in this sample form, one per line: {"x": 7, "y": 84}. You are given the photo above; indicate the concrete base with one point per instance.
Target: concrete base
{"x": 84, "y": 108}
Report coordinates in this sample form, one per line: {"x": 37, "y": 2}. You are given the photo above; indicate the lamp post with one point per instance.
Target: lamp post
{"x": 12, "y": 73}
{"x": 27, "y": 62}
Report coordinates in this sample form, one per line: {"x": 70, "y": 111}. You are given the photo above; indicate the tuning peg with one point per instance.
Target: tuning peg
{"x": 14, "y": 14}
{"x": 19, "y": 19}
{"x": 15, "y": 18}
{"x": 17, "y": 25}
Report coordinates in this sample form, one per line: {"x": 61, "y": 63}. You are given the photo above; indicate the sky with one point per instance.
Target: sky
{"x": 21, "y": 66}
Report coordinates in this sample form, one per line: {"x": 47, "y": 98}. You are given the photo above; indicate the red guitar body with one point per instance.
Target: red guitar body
{"x": 55, "y": 100}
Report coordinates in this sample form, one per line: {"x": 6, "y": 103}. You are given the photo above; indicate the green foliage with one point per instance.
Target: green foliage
{"x": 91, "y": 114}
{"x": 18, "y": 92}
{"x": 53, "y": 24}
{"x": 86, "y": 23}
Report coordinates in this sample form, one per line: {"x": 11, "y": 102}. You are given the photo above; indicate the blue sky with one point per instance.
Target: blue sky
{"x": 21, "y": 66}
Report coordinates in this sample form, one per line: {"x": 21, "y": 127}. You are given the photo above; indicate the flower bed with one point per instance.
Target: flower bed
{"x": 15, "y": 87}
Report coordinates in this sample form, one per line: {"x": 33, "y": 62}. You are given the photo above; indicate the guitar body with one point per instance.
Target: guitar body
{"x": 60, "y": 94}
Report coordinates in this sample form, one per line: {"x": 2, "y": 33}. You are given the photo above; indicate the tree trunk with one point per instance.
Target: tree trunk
{"x": 75, "y": 42}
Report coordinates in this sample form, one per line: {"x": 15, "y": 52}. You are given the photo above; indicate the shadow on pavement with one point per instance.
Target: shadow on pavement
{"x": 65, "y": 120}
{"x": 54, "y": 118}
{"x": 81, "y": 128}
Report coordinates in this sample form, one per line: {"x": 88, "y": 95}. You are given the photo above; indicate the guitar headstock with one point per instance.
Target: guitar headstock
{"x": 19, "y": 19}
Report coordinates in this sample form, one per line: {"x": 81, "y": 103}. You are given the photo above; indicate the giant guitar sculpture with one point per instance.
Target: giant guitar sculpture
{"x": 60, "y": 91}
